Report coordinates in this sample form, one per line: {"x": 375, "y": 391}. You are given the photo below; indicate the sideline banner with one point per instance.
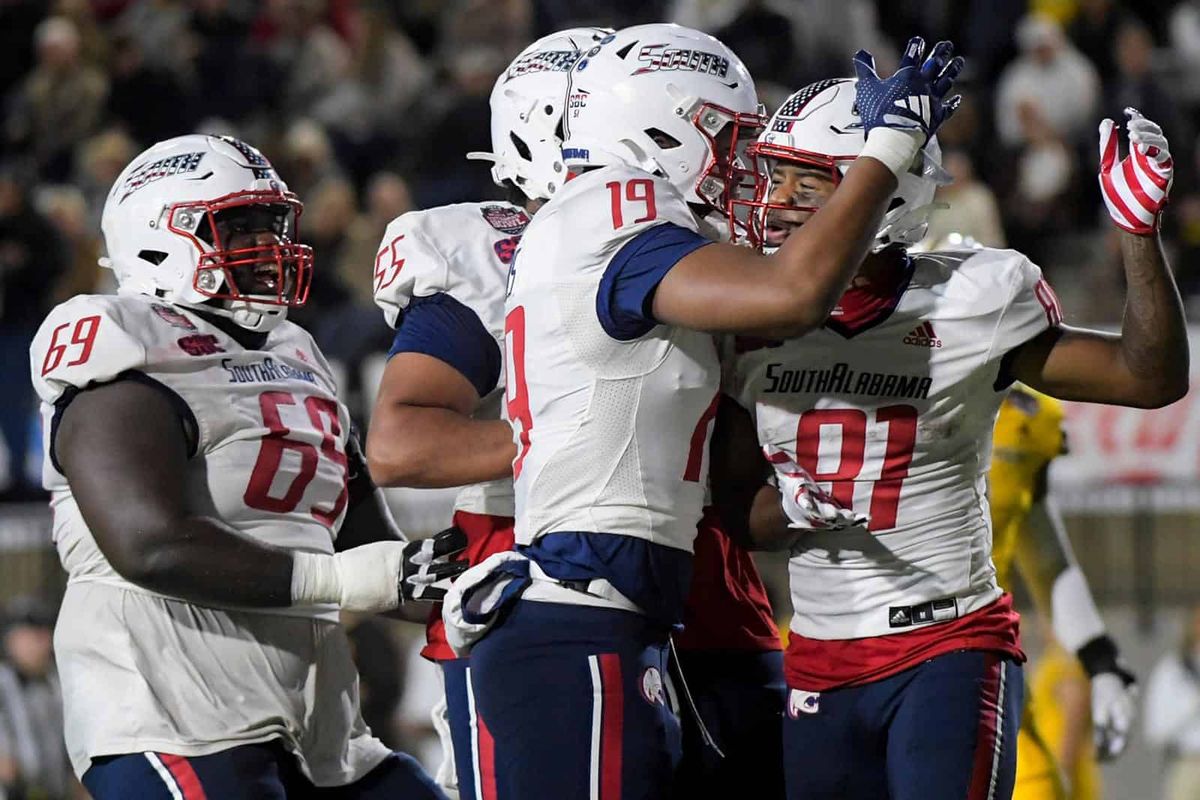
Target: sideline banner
{"x": 1129, "y": 447}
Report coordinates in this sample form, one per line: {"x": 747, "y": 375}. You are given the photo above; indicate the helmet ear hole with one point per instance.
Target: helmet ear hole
{"x": 663, "y": 139}
{"x": 155, "y": 257}
{"x": 896, "y": 203}
{"x": 522, "y": 148}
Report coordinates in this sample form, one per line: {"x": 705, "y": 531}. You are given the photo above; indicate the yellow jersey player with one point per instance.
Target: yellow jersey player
{"x": 1028, "y": 531}
{"x": 1060, "y": 717}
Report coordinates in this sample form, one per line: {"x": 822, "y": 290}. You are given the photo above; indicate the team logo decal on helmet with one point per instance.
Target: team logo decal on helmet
{"x": 528, "y": 102}
{"x": 664, "y": 57}
{"x": 541, "y": 61}
{"x": 156, "y": 170}
{"x": 789, "y": 112}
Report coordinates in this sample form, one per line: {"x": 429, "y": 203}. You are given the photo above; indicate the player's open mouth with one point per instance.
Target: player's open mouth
{"x": 257, "y": 279}
{"x": 778, "y": 230}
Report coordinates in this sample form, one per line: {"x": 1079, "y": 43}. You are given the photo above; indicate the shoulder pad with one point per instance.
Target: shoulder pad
{"x": 94, "y": 338}
{"x": 595, "y": 214}
{"x": 426, "y": 252}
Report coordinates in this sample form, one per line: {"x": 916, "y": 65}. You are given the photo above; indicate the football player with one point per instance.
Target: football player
{"x": 439, "y": 418}
{"x": 903, "y": 661}
{"x": 1028, "y": 531}
{"x": 211, "y": 507}
{"x": 611, "y": 385}
{"x": 440, "y": 277}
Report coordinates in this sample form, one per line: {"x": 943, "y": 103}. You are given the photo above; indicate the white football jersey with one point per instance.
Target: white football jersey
{"x": 896, "y": 421}
{"x": 611, "y": 435}
{"x": 462, "y": 250}
{"x": 270, "y": 461}
{"x": 270, "y": 455}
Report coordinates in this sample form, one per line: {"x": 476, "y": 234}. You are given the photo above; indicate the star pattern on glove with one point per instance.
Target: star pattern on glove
{"x": 914, "y": 98}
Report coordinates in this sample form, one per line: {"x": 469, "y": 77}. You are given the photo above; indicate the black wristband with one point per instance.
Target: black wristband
{"x": 1101, "y": 655}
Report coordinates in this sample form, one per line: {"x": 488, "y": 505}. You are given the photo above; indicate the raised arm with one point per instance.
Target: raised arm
{"x": 723, "y": 288}
{"x": 1146, "y": 364}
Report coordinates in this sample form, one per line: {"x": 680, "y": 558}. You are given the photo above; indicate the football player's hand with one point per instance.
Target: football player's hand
{"x": 1114, "y": 709}
{"x": 428, "y": 569}
{"x": 1135, "y": 188}
{"x": 381, "y": 575}
{"x": 1114, "y": 695}
{"x": 914, "y": 98}
{"x": 806, "y": 505}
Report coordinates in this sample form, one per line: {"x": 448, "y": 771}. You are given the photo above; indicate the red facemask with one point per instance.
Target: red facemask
{"x": 276, "y": 273}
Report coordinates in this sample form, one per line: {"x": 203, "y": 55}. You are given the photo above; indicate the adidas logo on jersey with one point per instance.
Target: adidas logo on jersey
{"x": 923, "y": 336}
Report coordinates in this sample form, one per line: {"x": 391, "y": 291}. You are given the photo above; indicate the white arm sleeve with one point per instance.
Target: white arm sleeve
{"x": 1073, "y": 611}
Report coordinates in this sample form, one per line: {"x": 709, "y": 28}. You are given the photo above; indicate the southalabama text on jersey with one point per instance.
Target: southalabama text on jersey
{"x": 840, "y": 379}
{"x": 266, "y": 370}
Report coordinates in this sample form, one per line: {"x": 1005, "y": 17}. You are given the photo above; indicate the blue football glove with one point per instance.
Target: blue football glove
{"x": 914, "y": 99}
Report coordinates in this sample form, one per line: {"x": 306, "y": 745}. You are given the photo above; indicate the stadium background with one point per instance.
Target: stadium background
{"x": 366, "y": 107}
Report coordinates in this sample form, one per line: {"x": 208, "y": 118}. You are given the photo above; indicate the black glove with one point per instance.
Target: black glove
{"x": 429, "y": 568}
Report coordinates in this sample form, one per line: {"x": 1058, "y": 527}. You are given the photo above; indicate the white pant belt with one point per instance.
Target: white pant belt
{"x": 597, "y": 592}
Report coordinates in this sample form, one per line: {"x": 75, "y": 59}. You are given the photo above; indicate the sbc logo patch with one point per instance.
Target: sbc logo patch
{"x": 802, "y": 702}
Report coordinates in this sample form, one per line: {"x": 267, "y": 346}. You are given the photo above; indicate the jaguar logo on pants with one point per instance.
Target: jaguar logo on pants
{"x": 652, "y": 687}
{"x": 802, "y": 702}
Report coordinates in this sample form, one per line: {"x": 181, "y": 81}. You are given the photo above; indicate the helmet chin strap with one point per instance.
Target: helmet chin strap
{"x": 255, "y": 318}
{"x": 907, "y": 227}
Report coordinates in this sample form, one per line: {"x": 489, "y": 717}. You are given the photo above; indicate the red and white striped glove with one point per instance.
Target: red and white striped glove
{"x": 1136, "y": 191}
{"x": 807, "y": 506}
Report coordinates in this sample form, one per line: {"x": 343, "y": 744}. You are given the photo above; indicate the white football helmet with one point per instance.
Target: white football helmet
{"x": 163, "y": 223}
{"x": 669, "y": 100}
{"x": 527, "y": 108}
{"x": 819, "y": 126}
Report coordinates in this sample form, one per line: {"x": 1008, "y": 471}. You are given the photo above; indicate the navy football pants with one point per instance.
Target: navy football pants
{"x": 460, "y": 709}
{"x": 739, "y": 697}
{"x": 945, "y": 729}
{"x": 571, "y": 705}
{"x": 249, "y": 772}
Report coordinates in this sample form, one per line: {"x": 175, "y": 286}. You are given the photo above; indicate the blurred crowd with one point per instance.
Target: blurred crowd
{"x": 367, "y": 108}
